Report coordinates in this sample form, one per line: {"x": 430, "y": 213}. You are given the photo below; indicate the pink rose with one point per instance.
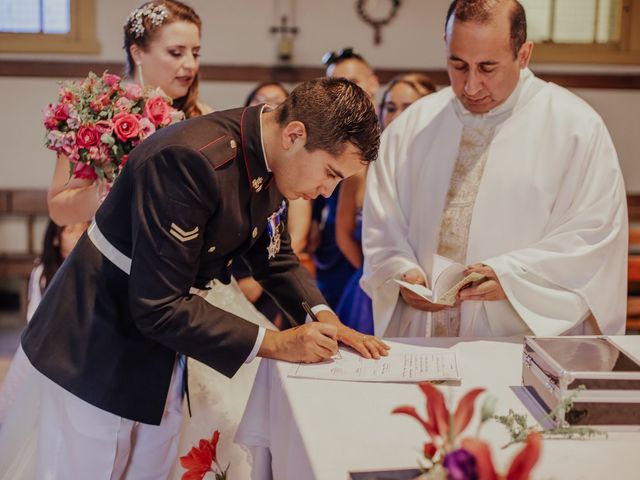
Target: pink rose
{"x": 157, "y": 110}
{"x": 110, "y": 79}
{"x": 133, "y": 91}
{"x": 61, "y": 112}
{"x": 84, "y": 170}
{"x": 126, "y": 126}
{"x": 123, "y": 161}
{"x": 88, "y": 136}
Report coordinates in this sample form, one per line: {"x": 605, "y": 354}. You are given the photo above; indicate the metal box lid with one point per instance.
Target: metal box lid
{"x": 593, "y": 361}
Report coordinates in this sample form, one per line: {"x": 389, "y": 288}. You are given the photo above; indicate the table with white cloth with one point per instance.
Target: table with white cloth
{"x": 317, "y": 429}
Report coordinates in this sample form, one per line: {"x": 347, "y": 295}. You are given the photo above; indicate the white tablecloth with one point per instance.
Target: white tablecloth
{"x": 315, "y": 429}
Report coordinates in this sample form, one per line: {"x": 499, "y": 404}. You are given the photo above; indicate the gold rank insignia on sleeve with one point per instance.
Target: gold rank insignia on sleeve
{"x": 256, "y": 183}
{"x": 183, "y": 235}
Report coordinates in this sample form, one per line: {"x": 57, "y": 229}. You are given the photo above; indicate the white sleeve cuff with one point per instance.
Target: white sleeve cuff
{"x": 257, "y": 345}
{"x": 316, "y": 309}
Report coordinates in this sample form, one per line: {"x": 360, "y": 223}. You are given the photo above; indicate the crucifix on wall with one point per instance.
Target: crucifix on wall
{"x": 286, "y": 30}
{"x": 378, "y": 14}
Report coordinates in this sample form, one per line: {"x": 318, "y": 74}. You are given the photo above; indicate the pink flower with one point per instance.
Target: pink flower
{"x": 157, "y": 110}
{"x": 133, "y": 91}
{"x": 146, "y": 128}
{"x": 88, "y": 136}
{"x": 61, "y": 112}
{"x": 110, "y": 79}
{"x": 84, "y": 170}
{"x": 101, "y": 101}
{"x": 50, "y": 121}
{"x": 123, "y": 104}
{"x": 126, "y": 126}
{"x": 74, "y": 118}
{"x": 104, "y": 126}
{"x": 67, "y": 97}
{"x": 123, "y": 161}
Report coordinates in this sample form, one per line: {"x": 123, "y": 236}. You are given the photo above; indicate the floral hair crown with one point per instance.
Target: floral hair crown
{"x": 156, "y": 13}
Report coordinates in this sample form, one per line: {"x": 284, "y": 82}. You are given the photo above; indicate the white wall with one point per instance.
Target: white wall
{"x": 237, "y": 32}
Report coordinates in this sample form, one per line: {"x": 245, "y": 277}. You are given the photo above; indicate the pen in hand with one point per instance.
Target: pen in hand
{"x": 313, "y": 317}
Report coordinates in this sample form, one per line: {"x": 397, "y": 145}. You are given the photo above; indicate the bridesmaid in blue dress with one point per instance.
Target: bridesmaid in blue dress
{"x": 354, "y": 308}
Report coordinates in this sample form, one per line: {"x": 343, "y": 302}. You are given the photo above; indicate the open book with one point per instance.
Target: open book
{"x": 448, "y": 279}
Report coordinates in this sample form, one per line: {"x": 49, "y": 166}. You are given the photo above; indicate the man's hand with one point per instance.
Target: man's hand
{"x": 488, "y": 290}
{"x": 310, "y": 343}
{"x": 368, "y": 346}
{"x": 414, "y": 300}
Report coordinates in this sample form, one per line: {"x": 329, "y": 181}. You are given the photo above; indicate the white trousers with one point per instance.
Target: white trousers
{"x": 79, "y": 441}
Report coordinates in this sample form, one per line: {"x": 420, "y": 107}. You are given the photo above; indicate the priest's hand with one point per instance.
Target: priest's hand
{"x": 484, "y": 291}
{"x": 309, "y": 343}
{"x": 368, "y": 346}
{"x": 413, "y": 299}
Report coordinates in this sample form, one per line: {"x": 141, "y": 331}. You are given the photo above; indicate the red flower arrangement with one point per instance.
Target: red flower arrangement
{"x": 99, "y": 120}
{"x": 203, "y": 459}
{"x": 469, "y": 459}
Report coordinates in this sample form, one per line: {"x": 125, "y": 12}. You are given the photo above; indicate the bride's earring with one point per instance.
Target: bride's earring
{"x": 140, "y": 76}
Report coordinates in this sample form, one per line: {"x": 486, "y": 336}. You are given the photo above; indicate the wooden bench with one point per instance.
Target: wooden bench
{"x": 29, "y": 204}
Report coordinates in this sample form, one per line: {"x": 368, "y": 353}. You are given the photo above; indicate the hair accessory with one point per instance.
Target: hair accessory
{"x": 157, "y": 14}
{"x": 330, "y": 58}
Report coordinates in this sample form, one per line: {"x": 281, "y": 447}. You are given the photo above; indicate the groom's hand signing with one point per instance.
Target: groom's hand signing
{"x": 313, "y": 342}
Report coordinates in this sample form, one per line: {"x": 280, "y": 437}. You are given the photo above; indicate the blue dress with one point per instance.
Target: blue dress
{"x": 333, "y": 270}
{"x": 354, "y": 308}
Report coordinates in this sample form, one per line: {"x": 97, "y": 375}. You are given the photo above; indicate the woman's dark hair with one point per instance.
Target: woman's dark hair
{"x": 335, "y": 112}
{"x": 51, "y": 257}
{"x": 252, "y": 93}
{"x": 141, "y": 29}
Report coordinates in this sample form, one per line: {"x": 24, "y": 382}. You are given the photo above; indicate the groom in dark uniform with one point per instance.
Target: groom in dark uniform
{"x": 124, "y": 304}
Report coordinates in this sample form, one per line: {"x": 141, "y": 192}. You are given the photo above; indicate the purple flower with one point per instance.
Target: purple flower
{"x": 460, "y": 465}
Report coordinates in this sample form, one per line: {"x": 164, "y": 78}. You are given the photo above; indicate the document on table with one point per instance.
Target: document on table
{"x": 428, "y": 364}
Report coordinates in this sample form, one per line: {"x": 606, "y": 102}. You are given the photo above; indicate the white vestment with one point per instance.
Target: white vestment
{"x": 549, "y": 218}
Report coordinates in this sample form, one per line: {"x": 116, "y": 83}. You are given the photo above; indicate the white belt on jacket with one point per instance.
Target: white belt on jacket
{"x": 105, "y": 247}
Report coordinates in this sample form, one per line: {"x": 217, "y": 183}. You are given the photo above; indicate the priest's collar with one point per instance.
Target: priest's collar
{"x": 497, "y": 114}
{"x": 258, "y": 172}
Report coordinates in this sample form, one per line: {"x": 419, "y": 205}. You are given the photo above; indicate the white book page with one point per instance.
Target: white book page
{"x": 446, "y": 273}
{"x": 416, "y": 288}
{"x": 433, "y": 364}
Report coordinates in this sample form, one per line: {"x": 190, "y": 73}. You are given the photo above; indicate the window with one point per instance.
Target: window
{"x": 48, "y": 26}
{"x": 584, "y": 31}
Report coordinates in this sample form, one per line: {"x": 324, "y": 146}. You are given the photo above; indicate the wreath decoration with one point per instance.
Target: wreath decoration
{"x": 377, "y": 23}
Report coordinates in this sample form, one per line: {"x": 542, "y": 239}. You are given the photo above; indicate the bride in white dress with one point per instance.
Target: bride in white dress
{"x": 218, "y": 402}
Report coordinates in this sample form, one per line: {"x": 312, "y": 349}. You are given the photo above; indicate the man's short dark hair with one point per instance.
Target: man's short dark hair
{"x": 335, "y": 112}
{"x": 482, "y": 11}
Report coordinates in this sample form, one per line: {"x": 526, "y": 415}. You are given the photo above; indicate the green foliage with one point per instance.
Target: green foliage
{"x": 518, "y": 428}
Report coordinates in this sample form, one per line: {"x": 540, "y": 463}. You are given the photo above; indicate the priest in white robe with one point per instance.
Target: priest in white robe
{"x": 513, "y": 176}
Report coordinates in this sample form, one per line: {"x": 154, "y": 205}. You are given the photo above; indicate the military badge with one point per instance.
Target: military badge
{"x": 183, "y": 235}
{"x": 275, "y": 226}
{"x": 256, "y": 183}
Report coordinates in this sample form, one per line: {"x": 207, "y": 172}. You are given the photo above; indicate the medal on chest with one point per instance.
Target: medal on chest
{"x": 274, "y": 228}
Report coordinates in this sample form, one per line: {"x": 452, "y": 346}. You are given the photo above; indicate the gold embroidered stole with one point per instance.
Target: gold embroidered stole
{"x": 458, "y": 210}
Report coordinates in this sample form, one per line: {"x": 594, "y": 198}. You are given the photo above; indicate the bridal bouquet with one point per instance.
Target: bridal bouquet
{"x": 469, "y": 458}
{"x": 99, "y": 120}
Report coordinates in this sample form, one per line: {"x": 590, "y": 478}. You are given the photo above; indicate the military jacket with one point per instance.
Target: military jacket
{"x": 191, "y": 198}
